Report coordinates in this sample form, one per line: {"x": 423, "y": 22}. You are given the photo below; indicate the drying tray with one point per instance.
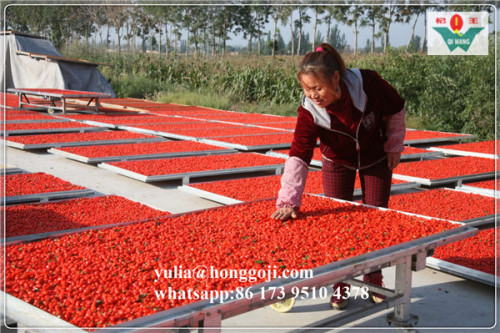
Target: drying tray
{"x": 92, "y": 160}
{"x": 52, "y": 130}
{"x": 77, "y": 143}
{"x": 463, "y": 153}
{"x": 446, "y": 181}
{"x": 45, "y": 197}
{"x": 229, "y": 201}
{"x": 406, "y": 257}
{"x": 186, "y": 176}
{"x": 478, "y": 190}
{"x": 244, "y": 147}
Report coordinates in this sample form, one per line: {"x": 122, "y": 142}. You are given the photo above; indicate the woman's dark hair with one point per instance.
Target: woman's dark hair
{"x": 323, "y": 63}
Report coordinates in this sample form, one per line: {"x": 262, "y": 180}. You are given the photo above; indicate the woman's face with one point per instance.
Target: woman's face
{"x": 321, "y": 93}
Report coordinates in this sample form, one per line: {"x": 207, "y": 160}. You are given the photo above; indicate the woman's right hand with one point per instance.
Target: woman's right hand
{"x": 284, "y": 213}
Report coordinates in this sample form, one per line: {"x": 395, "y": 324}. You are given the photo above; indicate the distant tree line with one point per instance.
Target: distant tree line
{"x": 200, "y": 27}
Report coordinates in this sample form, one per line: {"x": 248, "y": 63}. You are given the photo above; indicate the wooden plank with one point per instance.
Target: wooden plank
{"x": 48, "y": 57}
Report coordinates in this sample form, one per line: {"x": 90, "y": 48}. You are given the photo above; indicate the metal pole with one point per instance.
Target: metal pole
{"x": 403, "y": 286}
{"x": 211, "y": 323}
{"x": 402, "y": 316}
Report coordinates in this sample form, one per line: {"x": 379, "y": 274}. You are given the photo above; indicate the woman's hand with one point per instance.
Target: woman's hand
{"x": 393, "y": 160}
{"x": 284, "y": 213}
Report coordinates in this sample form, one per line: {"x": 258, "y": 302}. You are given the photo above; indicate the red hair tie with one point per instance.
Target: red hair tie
{"x": 319, "y": 49}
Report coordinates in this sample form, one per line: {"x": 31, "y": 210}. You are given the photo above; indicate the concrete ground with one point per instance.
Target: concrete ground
{"x": 441, "y": 301}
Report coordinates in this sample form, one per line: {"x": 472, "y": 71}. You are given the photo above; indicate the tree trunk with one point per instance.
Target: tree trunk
{"x": 259, "y": 44}
{"x": 372, "y": 48}
{"x": 134, "y": 37}
{"x": 128, "y": 35}
{"x": 187, "y": 43}
{"x": 422, "y": 48}
{"x": 195, "y": 37}
{"x": 159, "y": 39}
{"x": 175, "y": 44}
{"x": 274, "y": 37}
{"x": 167, "y": 49}
{"x": 313, "y": 42}
{"x": 386, "y": 36}
{"x": 204, "y": 42}
{"x": 224, "y": 42}
{"x": 299, "y": 41}
{"x": 151, "y": 35}
{"x": 328, "y": 29}
{"x": 291, "y": 34}
{"x": 356, "y": 37}
{"x": 107, "y": 37}
{"x": 412, "y": 32}
{"x": 213, "y": 42}
{"x": 118, "y": 39}
{"x": 143, "y": 45}
{"x": 386, "y": 32}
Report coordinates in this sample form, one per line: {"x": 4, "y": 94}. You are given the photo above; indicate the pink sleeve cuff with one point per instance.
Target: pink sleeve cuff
{"x": 395, "y": 132}
{"x": 293, "y": 182}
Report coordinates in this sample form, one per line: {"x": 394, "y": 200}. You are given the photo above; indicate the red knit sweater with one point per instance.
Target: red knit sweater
{"x": 355, "y": 138}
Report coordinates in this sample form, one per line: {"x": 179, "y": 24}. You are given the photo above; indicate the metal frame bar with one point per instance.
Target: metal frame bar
{"x": 445, "y": 181}
{"x": 463, "y": 153}
{"x": 154, "y": 132}
{"x": 78, "y": 143}
{"x": 462, "y": 271}
{"x": 92, "y": 160}
{"x": 29, "y": 316}
{"x": 478, "y": 190}
{"x": 132, "y": 124}
{"x": 420, "y": 156}
{"x": 484, "y": 222}
{"x": 55, "y": 120}
{"x": 318, "y": 163}
{"x": 96, "y": 123}
{"x": 45, "y": 197}
{"x": 208, "y": 195}
{"x": 247, "y": 148}
{"x": 53, "y": 130}
{"x": 444, "y": 139}
{"x": 229, "y": 201}
{"x": 11, "y": 171}
{"x": 186, "y": 176}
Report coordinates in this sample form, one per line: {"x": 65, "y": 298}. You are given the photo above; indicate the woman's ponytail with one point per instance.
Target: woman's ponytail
{"x": 323, "y": 62}
{"x": 335, "y": 54}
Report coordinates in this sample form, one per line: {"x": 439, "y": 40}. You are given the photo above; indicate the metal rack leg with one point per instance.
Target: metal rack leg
{"x": 20, "y": 101}
{"x": 401, "y": 315}
{"x": 97, "y": 104}
{"x": 211, "y": 324}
